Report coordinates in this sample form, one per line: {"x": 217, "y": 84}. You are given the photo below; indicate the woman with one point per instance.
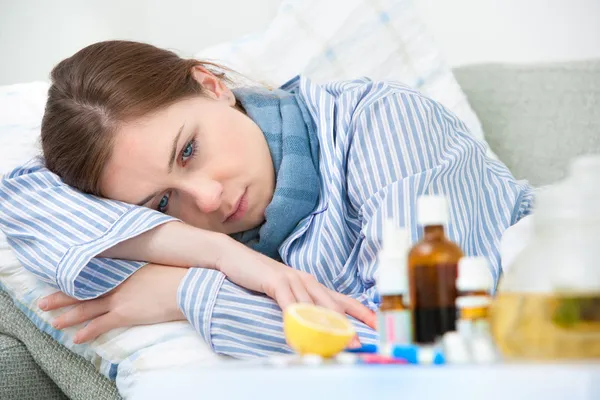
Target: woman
{"x": 137, "y": 140}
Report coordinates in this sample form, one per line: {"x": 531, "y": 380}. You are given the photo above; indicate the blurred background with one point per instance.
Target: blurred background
{"x": 35, "y": 35}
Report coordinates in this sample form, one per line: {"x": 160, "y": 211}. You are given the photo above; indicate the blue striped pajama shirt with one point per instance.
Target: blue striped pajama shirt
{"x": 382, "y": 145}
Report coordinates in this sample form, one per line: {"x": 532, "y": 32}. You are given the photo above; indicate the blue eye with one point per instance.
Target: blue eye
{"x": 188, "y": 151}
{"x": 163, "y": 203}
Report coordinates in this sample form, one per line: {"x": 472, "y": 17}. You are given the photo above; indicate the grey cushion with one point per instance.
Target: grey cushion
{"x": 20, "y": 377}
{"x": 75, "y": 376}
{"x": 536, "y": 118}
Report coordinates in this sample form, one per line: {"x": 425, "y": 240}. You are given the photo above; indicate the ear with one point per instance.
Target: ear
{"x": 214, "y": 86}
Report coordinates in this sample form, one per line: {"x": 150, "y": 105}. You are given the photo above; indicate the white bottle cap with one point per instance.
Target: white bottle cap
{"x": 392, "y": 271}
{"x": 432, "y": 210}
{"x": 474, "y": 274}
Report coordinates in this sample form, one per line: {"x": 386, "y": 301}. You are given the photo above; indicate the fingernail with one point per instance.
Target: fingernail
{"x": 76, "y": 339}
{"x": 55, "y": 324}
{"x": 43, "y": 304}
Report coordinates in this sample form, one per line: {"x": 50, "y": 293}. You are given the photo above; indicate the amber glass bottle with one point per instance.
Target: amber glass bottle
{"x": 432, "y": 266}
{"x": 474, "y": 284}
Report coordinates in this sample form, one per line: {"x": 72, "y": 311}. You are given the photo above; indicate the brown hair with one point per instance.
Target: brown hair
{"x": 99, "y": 88}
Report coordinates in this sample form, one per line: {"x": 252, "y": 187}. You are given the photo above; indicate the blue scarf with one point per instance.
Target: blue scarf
{"x": 293, "y": 143}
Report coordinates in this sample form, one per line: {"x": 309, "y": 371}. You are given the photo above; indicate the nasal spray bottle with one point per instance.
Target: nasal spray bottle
{"x": 394, "y": 323}
{"x": 394, "y": 319}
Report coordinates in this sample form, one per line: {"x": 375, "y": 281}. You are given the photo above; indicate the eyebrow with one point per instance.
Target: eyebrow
{"x": 174, "y": 148}
{"x": 147, "y": 199}
{"x": 171, "y": 163}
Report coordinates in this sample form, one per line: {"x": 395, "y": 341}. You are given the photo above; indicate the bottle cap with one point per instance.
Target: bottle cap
{"x": 432, "y": 210}
{"x": 474, "y": 274}
{"x": 392, "y": 271}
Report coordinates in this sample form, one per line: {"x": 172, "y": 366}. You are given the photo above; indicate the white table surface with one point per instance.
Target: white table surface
{"x": 501, "y": 381}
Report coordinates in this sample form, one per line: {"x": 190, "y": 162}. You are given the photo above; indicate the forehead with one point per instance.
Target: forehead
{"x": 139, "y": 161}
{"x": 149, "y": 137}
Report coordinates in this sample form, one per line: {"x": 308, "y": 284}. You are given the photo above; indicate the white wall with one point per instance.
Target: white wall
{"x": 36, "y": 34}
{"x": 472, "y": 31}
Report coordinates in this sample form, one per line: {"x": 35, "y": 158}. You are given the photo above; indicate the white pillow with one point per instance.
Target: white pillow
{"x": 21, "y": 111}
{"x": 337, "y": 40}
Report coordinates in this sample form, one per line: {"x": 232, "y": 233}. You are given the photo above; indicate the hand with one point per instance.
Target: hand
{"x": 284, "y": 284}
{"x": 149, "y": 296}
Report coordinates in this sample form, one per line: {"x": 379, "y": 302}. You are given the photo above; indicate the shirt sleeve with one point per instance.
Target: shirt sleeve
{"x": 235, "y": 321}
{"x": 406, "y": 145}
{"x": 57, "y": 231}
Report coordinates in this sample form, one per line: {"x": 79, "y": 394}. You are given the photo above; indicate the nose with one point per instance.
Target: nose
{"x": 206, "y": 194}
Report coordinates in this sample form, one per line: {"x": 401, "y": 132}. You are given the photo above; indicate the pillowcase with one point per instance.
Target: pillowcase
{"x": 335, "y": 40}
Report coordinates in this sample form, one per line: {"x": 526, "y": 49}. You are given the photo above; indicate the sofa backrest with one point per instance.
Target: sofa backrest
{"x": 536, "y": 117}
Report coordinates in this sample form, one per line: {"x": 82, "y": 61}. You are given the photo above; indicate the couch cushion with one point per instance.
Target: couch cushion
{"x": 74, "y": 375}
{"x": 20, "y": 377}
{"x": 536, "y": 118}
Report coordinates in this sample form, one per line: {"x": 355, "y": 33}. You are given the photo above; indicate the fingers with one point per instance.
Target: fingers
{"x": 284, "y": 297}
{"x": 56, "y": 300}
{"x": 323, "y": 297}
{"x": 97, "y": 327}
{"x": 356, "y": 309}
{"x": 84, "y": 311}
{"x": 300, "y": 292}
{"x": 304, "y": 288}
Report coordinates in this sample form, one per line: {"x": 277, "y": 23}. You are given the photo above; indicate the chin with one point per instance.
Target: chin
{"x": 254, "y": 220}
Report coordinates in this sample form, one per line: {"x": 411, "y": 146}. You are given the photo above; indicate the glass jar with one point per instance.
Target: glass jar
{"x": 548, "y": 302}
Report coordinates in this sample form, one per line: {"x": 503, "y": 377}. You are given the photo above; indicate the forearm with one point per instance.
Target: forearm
{"x": 174, "y": 244}
{"x": 238, "y": 322}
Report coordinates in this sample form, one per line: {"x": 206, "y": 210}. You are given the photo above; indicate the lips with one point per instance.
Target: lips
{"x": 239, "y": 209}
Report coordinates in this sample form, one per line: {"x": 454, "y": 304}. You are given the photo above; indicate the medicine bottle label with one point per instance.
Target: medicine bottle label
{"x": 394, "y": 327}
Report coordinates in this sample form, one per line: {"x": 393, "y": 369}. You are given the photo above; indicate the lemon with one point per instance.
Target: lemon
{"x": 311, "y": 329}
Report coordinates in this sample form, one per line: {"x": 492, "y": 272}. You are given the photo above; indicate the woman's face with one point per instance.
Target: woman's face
{"x": 200, "y": 160}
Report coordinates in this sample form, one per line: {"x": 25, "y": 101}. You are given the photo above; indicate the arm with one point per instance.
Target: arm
{"x": 87, "y": 246}
{"x": 175, "y": 244}
{"x": 241, "y": 323}
{"x": 58, "y": 232}
{"x": 233, "y": 321}
{"x": 40, "y": 213}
